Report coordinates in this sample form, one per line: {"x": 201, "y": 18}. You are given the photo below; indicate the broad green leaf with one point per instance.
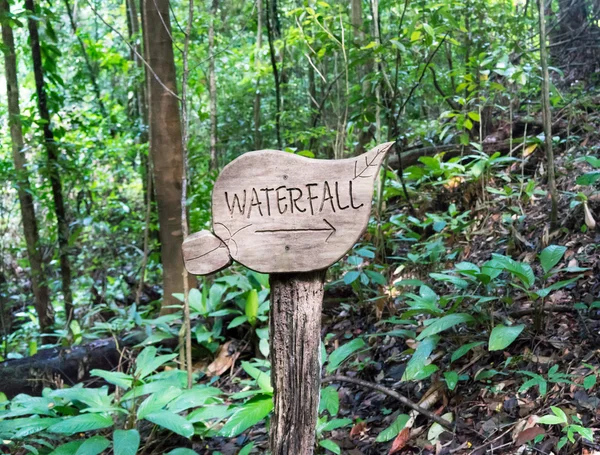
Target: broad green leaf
{"x": 173, "y": 422}
{"x": 589, "y": 381}
{"x": 343, "y": 352}
{"x": 247, "y": 415}
{"x": 252, "y": 307}
{"x": 333, "y": 424}
{"x": 558, "y": 418}
{"x": 212, "y": 412}
{"x": 593, "y": 161}
{"x": 70, "y": 448}
{"x": 436, "y": 429}
{"x": 193, "y": 398}
{"x": 114, "y": 377}
{"x": 551, "y": 255}
{"x": 157, "y": 401}
{"x": 81, "y": 424}
{"x": 330, "y": 445}
{"x": 588, "y": 179}
{"x": 559, "y": 285}
{"x": 246, "y": 449}
{"x": 392, "y": 431}
{"x": 451, "y": 378}
{"x": 444, "y": 323}
{"x": 502, "y": 336}
{"x": 351, "y": 277}
{"x": 126, "y": 442}
{"x": 93, "y": 446}
{"x": 330, "y": 401}
{"x": 182, "y": 451}
{"x": 263, "y": 379}
{"x": 464, "y": 349}
{"x": 418, "y": 361}
{"x": 456, "y": 281}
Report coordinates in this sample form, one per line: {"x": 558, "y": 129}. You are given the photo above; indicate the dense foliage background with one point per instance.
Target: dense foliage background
{"x": 461, "y": 241}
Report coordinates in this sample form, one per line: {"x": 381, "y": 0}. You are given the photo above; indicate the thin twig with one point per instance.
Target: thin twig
{"x": 391, "y": 393}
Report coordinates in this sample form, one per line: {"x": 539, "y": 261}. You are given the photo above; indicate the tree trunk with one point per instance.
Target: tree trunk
{"x": 547, "y": 116}
{"x": 272, "y": 31}
{"x": 212, "y": 86}
{"x": 30, "y": 229}
{"x": 295, "y": 332}
{"x": 53, "y": 160}
{"x": 257, "y": 94}
{"x": 165, "y": 143}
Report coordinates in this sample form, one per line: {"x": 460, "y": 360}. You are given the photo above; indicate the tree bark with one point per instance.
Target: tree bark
{"x": 30, "y": 228}
{"x": 547, "y": 116}
{"x": 272, "y": 31}
{"x": 257, "y": 94}
{"x": 295, "y": 332}
{"x": 212, "y": 86}
{"x": 165, "y": 143}
{"x": 52, "y": 160}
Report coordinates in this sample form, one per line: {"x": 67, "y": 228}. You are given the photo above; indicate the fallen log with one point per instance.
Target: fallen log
{"x": 69, "y": 366}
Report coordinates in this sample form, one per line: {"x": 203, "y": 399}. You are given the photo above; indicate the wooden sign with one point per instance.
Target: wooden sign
{"x": 277, "y": 212}
{"x": 292, "y": 217}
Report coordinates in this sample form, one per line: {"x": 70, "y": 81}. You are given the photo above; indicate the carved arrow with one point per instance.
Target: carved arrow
{"x": 330, "y": 228}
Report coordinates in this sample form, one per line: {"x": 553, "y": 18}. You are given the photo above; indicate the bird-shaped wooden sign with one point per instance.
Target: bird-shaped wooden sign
{"x": 276, "y": 212}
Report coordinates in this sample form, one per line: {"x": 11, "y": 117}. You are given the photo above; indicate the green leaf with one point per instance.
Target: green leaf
{"x": 464, "y": 349}
{"x": 394, "y": 429}
{"x": 193, "y": 398}
{"x": 93, "y": 446}
{"x": 417, "y": 362}
{"x": 551, "y": 255}
{"x": 343, "y": 352}
{"x": 247, "y": 415}
{"x": 558, "y": 285}
{"x": 262, "y": 379}
{"x": 157, "y": 401}
{"x": 558, "y": 418}
{"x": 333, "y": 424}
{"x": 330, "y": 400}
{"x": 173, "y": 422}
{"x": 114, "y": 377}
{"x": 502, "y": 336}
{"x": 588, "y": 179}
{"x": 70, "y": 448}
{"x": 351, "y": 277}
{"x": 252, "y": 307}
{"x": 474, "y": 116}
{"x": 81, "y": 424}
{"x": 593, "y": 161}
{"x": 444, "y": 323}
{"x": 330, "y": 445}
{"x": 586, "y": 433}
{"x": 182, "y": 451}
{"x": 126, "y": 442}
{"x": 451, "y": 378}
{"x": 589, "y": 381}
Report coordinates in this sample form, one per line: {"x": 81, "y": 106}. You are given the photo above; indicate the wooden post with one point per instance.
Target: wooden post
{"x": 295, "y": 327}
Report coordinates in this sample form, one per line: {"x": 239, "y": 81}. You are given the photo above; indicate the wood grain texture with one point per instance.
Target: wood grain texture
{"x": 281, "y": 213}
{"x": 295, "y": 328}
{"x": 204, "y": 253}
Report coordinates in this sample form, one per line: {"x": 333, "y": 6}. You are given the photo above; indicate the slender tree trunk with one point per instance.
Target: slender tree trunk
{"x": 53, "y": 160}
{"x": 272, "y": 27}
{"x": 88, "y": 63}
{"x": 257, "y": 66}
{"x": 212, "y": 86}
{"x": 30, "y": 228}
{"x": 547, "y": 116}
{"x": 165, "y": 143}
{"x": 295, "y": 338}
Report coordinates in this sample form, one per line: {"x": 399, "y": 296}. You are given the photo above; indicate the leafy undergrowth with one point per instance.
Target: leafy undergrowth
{"x": 468, "y": 305}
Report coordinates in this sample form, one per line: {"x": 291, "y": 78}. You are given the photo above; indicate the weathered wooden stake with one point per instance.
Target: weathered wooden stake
{"x": 295, "y": 327}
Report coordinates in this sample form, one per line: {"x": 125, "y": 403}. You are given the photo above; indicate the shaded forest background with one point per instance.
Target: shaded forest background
{"x": 115, "y": 114}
